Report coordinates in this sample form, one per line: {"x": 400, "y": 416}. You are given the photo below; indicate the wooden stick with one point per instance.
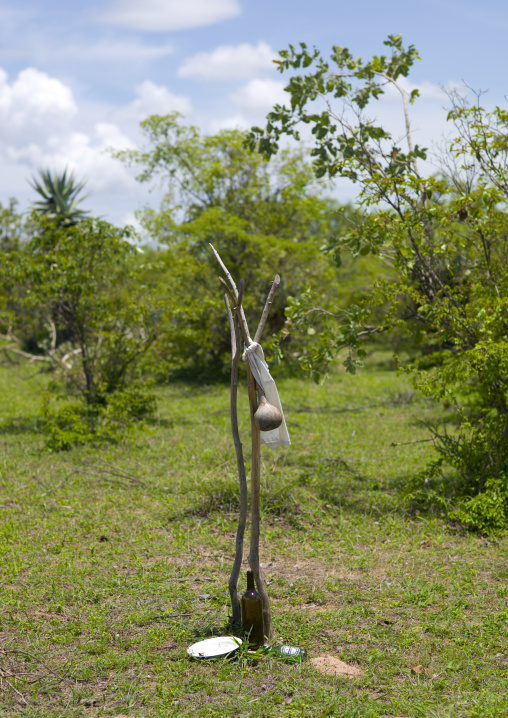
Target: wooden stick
{"x": 242, "y": 519}
{"x": 243, "y": 320}
{"x": 255, "y": 484}
{"x": 225, "y": 270}
{"x": 239, "y": 312}
{"x": 266, "y": 309}
{"x": 240, "y": 294}
{"x": 255, "y": 478}
{"x": 230, "y": 294}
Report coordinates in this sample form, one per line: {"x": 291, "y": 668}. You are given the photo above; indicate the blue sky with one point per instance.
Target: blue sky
{"x": 77, "y": 78}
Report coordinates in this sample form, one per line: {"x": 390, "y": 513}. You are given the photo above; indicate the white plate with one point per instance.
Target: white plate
{"x": 213, "y": 647}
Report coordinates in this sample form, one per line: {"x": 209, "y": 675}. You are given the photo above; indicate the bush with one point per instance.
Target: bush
{"x": 78, "y": 298}
{"x": 66, "y": 426}
{"x": 75, "y": 423}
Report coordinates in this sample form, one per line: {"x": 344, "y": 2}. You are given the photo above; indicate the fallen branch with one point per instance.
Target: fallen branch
{"x": 5, "y": 652}
{"x": 4, "y": 678}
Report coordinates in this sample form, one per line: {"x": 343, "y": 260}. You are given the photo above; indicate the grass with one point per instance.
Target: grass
{"x": 115, "y": 559}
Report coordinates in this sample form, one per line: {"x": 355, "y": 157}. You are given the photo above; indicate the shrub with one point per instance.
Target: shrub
{"x": 75, "y": 423}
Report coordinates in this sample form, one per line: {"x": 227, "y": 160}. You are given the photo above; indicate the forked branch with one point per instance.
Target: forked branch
{"x": 238, "y": 322}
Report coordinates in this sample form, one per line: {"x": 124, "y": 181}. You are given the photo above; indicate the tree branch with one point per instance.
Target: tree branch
{"x": 239, "y": 309}
{"x": 253, "y": 558}
{"x": 268, "y": 304}
{"x": 242, "y": 519}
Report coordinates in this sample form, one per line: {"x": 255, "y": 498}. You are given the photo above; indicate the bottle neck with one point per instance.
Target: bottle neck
{"x": 250, "y": 581}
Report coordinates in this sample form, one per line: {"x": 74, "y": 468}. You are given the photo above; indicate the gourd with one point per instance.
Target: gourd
{"x": 266, "y": 417}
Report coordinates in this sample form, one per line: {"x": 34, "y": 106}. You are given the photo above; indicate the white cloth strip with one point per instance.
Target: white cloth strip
{"x": 255, "y": 356}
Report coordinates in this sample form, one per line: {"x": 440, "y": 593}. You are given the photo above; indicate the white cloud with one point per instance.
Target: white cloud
{"x": 34, "y": 98}
{"x": 40, "y": 127}
{"x": 428, "y": 90}
{"x": 112, "y": 136}
{"x": 260, "y": 94}
{"x": 84, "y": 153}
{"x": 163, "y": 15}
{"x": 236, "y": 122}
{"x": 157, "y": 100}
{"x": 37, "y": 113}
{"x": 107, "y": 50}
{"x": 228, "y": 61}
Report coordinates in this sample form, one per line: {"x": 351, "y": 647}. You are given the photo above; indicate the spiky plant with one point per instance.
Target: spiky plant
{"x": 59, "y": 194}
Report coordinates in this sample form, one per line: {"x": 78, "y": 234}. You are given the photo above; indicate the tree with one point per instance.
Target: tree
{"x": 259, "y": 216}
{"x": 14, "y": 228}
{"x": 60, "y": 197}
{"x": 84, "y": 282}
{"x": 445, "y": 238}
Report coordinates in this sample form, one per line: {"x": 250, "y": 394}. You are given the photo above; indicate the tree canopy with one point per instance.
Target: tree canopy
{"x": 444, "y": 236}
{"x": 262, "y": 218}
{"x": 75, "y": 298}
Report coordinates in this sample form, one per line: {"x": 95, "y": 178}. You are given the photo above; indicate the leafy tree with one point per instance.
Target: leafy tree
{"x": 445, "y": 239}
{"x": 16, "y": 231}
{"x": 85, "y": 282}
{"x": 13, "y": 226}
{"x": 60, "y": 197}
{"x": 262, "y": 218}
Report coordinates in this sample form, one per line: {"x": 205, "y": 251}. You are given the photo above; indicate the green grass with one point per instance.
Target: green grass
{"x": 106, "y": 554}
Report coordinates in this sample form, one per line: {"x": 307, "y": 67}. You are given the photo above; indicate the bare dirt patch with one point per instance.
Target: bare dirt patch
{"x": 332, "y": 666}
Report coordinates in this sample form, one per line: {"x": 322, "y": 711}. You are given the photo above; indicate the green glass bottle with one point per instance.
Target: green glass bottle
{"x": 252, "y": 614}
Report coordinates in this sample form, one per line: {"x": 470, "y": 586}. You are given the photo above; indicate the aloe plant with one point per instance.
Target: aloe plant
{"x": 60, "y": 199}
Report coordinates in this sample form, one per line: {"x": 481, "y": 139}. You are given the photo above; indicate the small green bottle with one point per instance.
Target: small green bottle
{"x": 252, "y": 614}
